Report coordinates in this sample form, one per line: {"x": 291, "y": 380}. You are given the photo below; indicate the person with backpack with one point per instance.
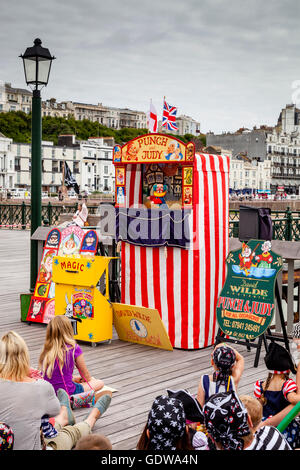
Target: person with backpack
{"x": 228, "y": 367}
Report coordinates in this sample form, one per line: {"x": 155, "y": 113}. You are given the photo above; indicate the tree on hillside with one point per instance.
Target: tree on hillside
{"x": 17, "y": 126}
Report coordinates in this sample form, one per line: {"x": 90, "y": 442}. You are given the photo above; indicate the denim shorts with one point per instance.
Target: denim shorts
{"x": 78, "y": 388}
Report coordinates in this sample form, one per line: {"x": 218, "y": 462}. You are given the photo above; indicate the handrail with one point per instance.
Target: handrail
{"x": 289, "y": 417}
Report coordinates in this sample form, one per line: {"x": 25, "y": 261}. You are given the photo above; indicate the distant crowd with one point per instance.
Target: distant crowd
{"x": 37, "y": 405}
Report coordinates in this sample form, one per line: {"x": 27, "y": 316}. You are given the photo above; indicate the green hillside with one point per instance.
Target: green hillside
{"x": 17, "y": 126}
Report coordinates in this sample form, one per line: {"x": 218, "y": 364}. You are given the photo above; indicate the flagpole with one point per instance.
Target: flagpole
{"x": 162, "y": 119}
{"x": 149, "y": 116}
{"x": 63, "y": 178}
{"x": 63, "y": 175}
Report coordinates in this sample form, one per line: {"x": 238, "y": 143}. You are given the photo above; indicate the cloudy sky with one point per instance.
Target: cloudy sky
{"x": 226, "y": 63}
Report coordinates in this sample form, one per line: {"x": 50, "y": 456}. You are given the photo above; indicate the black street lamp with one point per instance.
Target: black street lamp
{"x": 37, "y": 62}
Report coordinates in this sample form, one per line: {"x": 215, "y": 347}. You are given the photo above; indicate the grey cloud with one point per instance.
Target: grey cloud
{"x": 226, "y": 63}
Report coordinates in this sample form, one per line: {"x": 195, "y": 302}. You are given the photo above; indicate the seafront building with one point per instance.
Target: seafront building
{"x": 185, "y": 125}
{"x": 272, "y": 152}
{"x": 7, "y": 163}
{"x": 90, "y": 162}
{"x": 14, "y": 99}
{"x": 112, "y": 117}
{"x": 283, "y": 150}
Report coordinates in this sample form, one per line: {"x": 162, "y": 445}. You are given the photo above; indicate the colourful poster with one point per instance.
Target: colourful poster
{"x": 246, "y": 304}
{"x": 71, "y": 239}
{"x": 89, "y": 243}
{"x": 187, "y": 196}
{"x": 120, "y": 176}
{"x": 187, "y": 176}
{"x": 117, "y": 152}
{"x": 120, "y": 196}
{"x": 44, "y": 286}
{"x": 140, "y": 325}
{"x": 83, "y": 301}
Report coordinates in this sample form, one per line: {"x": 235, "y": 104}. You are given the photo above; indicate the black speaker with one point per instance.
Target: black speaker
{"x": 255, "y": 223}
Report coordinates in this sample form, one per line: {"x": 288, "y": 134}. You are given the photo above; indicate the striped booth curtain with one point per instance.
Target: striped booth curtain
{"x": 183, "y": 284}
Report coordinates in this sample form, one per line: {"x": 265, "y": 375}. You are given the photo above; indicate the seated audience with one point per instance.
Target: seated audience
{"x": 6, "y": 437}
{"x": 93, "y": 442}
{"x": 228, "y": 367}
{"x": 25, "y": 400}
{"x": 166, "y": 427}
{"x": 61, "y": 355}
{"x": 261, "y": 438}
{"x": 226, "y": 421}
{"x": 278, "y": 391}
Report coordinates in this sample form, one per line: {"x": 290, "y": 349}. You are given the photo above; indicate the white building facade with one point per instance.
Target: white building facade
{"x": 250, "y": 175}
{"x": 283, "y": 150}
{"x": 14, "y": 99}
{"x": 53, "y": 158}
{"x": 7, "y": 164}
{"x": 97, "y": 168}
{"x": 185, "y": 124}
{"x": 89, "y": 161}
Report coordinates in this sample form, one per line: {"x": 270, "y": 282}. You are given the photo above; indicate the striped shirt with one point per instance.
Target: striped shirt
{"x": 268, "y": 438}
{"x": 288, "y": 386}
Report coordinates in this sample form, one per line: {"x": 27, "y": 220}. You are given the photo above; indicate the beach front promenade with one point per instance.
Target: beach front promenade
{"x": 139, "y": 373}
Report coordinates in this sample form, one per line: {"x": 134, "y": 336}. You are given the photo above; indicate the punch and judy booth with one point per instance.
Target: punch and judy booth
{"x": 172, "y": 215}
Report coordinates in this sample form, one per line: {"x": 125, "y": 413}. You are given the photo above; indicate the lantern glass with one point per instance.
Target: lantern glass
{"x": 37, "y": 64}
{"x": 30, "y": 70}
{"x": 44, "y": 66}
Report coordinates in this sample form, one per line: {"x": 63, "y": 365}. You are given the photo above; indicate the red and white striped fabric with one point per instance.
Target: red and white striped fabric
{"x": 288, "y": 387}
{"x": 183, "y": 285}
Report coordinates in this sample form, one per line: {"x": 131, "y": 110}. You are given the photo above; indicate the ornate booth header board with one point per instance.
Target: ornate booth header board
{"x": 246, "y": 304}
{"x": 154, "y": 148}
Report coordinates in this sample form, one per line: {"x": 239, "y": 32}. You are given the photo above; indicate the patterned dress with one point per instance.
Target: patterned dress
{"x": 276, "y": 402}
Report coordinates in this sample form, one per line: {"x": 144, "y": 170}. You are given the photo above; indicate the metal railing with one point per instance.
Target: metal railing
{"x": 286, "y": 224}
{"x": 19, "y": 215}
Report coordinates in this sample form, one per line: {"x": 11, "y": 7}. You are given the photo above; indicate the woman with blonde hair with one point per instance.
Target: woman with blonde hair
{"x": 60, "y": 355}
{"x": 25, "y": 400}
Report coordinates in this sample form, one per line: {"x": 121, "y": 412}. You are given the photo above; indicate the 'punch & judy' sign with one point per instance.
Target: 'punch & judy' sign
{"x": 246, "y": 304}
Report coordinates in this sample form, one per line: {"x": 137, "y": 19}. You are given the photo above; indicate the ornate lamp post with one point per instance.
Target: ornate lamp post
{"x": 37, "y": 62}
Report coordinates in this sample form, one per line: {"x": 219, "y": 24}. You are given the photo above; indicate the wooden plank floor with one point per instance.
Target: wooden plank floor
{"x": 139, "y": 373}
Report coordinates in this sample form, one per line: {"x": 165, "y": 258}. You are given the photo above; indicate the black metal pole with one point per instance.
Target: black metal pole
{"x": 36, "y": 182}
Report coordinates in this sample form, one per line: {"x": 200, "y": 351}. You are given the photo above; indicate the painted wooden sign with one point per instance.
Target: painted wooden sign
{"x": 140, "y": 325}
{"x": 246, "y": 305}
{"x": 154, "y": 148}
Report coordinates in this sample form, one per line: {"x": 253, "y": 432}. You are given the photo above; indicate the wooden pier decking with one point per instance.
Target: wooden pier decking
{"x": 139, "y": 373}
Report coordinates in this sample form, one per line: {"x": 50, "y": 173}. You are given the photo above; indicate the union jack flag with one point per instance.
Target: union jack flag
{"x": 169, "y": 117}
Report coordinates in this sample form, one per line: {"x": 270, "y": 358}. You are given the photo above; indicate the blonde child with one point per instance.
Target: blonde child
{"x": 279, "y": 390}
{"x": 60, "y": 355}
{"x": 228, "y": 367}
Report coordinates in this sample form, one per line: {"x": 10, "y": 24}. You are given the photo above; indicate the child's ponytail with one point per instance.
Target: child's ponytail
{"x": 262, "y": 398}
